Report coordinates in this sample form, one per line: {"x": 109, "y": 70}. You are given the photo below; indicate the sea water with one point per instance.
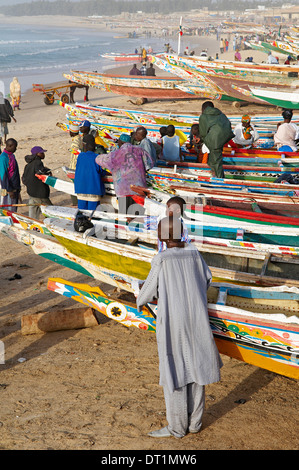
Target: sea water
{"x": 41, "y": 54}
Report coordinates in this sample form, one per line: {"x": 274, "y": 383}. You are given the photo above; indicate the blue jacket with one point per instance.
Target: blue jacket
{"x": 88, "y": 175}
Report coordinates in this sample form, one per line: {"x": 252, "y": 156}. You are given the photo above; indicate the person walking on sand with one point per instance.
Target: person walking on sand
{"x": 188, "y": 356}
{"x": 215, "y": 131}
{"x": 10, "y": 183}
{"x": 6, "y": 115}
{"x": 15, "y": 93}
{"x": 37, "y": 191}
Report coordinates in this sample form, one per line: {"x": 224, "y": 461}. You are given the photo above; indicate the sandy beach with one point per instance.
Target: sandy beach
{"x": 97, "y": 388}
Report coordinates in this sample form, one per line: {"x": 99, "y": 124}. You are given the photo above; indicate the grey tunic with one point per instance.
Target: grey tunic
{"x": 179, "y": 279}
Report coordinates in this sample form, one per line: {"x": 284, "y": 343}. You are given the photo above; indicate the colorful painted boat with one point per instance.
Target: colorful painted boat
{"x": 228, "y": 77}
{"x": 283, "y": 98}
{"x": 130, "y": 85}
{"x": 270, "y": 342}
{"x": 122, "y": 57}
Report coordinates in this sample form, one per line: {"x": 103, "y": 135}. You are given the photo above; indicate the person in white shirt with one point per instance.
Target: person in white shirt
{"x": 287, "y": 133}
{"x": 271, "y": 59}
{"x": 245, "y": 133}
{"x": 171, "y": 145}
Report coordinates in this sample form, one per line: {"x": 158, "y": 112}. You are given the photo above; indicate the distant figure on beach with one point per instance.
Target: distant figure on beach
{"x": 134, "y": 70}
{"x": 128, "y": 165}
{"x": 143, "y": 69}
{"x": 15, "y": 93}
{"x": 171, "y": 145}
{"x": 215, "y": 131}
{"x": 183, "y": 327}
{"x": 271, "y": 59}
{"x": 6, "y": 115}
{"x": 10, "y": 183}
{"x": 37, "y": 191}
{"x": 150, "y": 71}
{"x": 73, "y": 88}
{"x": 245, "y": 133}
{"x": 89, "y": 186}
{"x": 238, "y": 55}
{"x": 287, "y": 134}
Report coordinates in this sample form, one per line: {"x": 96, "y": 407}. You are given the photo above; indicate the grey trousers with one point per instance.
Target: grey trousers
{"x": 34, "y": 211}
{"x": 184, "y": 409}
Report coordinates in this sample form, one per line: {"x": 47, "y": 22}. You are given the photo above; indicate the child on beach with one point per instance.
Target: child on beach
{"x": 188, "y": 356}
{"x": 38, "y": 191}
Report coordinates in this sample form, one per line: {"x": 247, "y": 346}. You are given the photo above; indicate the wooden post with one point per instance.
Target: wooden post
{"x": 68, "y": 319}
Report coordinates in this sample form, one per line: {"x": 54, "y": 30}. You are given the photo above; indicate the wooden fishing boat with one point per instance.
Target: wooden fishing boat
{"x": 123, "y": 57}
{"x": 228, "y": 77}
{"x": 266, "y": 341}
{"x": 130, "y": 85}
{"x": 158, "y": 117}
{"x": 287, "y": 98}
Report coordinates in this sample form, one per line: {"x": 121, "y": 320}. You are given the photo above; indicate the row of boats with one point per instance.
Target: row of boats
{"x": 246, "y": 226}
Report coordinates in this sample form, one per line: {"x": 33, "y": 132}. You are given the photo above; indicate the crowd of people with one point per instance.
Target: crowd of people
{"x": 177, "y": 271}
{"x": 134, "y": 156}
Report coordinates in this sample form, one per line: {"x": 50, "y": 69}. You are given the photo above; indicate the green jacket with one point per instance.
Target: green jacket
{"x": 214, "y": 128}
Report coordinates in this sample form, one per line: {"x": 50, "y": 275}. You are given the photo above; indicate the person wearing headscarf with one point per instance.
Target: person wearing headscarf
{"x": 245, "y": 133}
{"x": 10, "y": 184}
{"x": 287, "y": 133}
{"x": 15, "y": 93}
{"x": 128, "y": 165}
{"x": 76, "y": 145}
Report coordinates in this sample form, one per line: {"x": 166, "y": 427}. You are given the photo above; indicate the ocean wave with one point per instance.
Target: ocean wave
{"x": 27, "y": 41}
{"x": 43, "y": 68}
{"x": 47, "y": 51}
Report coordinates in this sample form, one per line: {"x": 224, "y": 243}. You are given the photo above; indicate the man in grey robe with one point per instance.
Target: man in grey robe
{"x": 188, "y": 356}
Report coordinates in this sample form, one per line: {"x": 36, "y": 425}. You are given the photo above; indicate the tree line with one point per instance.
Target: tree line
{"x": 115, "y": 7}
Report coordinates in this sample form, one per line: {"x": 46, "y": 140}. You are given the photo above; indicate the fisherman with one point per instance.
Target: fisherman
{"x": 245, "y": 133}
{"x": 143, "y": 69}
{"x": 188, "y": 356}
{"x": 89, "y": 186}
{"x": 145, "y": 143}
{"x": 10, "y": 184}
{"x": 271, "y": 59}
{"x": 128, "y": 165}
{"x": 150, "y": 71}
{"x": 215, "y": 131}
{"x": 287, "y": 134}
{"x": 37, "y": 190}
{"x": 134, "y": 70}
{"x": 6, "y": 115}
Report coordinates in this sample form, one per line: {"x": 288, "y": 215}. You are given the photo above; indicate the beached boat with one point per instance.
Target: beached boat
{"x": 123, "y": 57}
{"x": 228, "y": 76}
{"x": 266, "y": 341}
{"x": 288, "y": 98}
{"x": 134, "y": 86}
{"x": 256, "y": 338}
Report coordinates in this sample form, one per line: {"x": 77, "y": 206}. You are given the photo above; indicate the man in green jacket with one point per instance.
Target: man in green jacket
{"x": 215, "y": 131}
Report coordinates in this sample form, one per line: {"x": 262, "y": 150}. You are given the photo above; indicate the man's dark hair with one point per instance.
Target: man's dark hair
{"x": 207, "y": 104}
